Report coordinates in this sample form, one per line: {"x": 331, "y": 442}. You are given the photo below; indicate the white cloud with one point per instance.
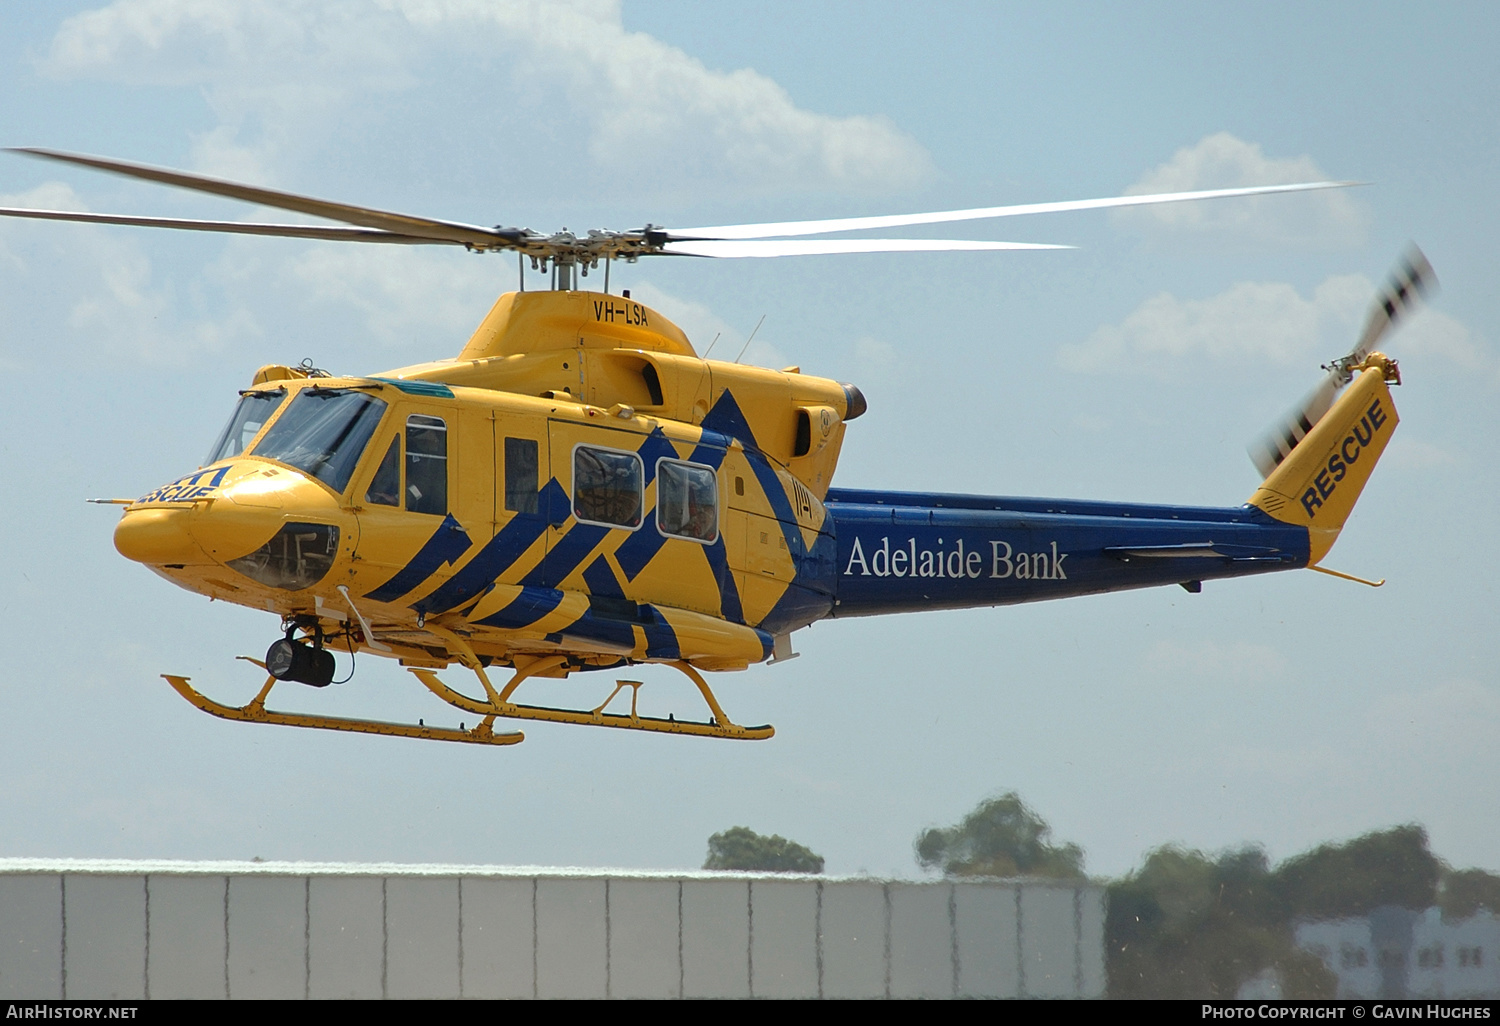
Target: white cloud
{"x": 1222, "y": 161}
{"x": 1412, "y": 454}
{"x": 702, "y": 326}
{"x": 111, "y": 296}
{"x": 47, "y": 196}
{"x": 699, "y": 322}
{"x": 1261, "y": 320}
{"x": 283, "y": 74}
{"x": 404, "y": 295}
{"x": 1432, "y": 333}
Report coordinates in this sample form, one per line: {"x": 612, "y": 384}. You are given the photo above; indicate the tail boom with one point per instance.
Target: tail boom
{"x": 905, "y": 552}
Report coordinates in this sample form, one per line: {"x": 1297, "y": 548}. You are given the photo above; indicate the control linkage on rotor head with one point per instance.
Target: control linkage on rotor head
{"x": 566, "y": 248}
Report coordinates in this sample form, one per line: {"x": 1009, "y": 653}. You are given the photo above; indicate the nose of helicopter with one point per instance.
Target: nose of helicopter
{"x": 267, "y": 523}
{"x": 158, "y": 536}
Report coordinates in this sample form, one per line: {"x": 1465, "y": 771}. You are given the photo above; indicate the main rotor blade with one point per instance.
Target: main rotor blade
{"x": 337, "y": 233}
{"x": 825, "y": 247}
{"x": 849, "y": 224}
{"x": 366, "y": 217}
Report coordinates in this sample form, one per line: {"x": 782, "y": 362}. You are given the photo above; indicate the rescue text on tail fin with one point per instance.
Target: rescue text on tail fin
{"x": 1317, "y": 484}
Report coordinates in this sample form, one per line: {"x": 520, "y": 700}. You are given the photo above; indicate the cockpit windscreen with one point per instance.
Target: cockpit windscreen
{"x": 250, "y": 416}
{"x": 323, "y": 433}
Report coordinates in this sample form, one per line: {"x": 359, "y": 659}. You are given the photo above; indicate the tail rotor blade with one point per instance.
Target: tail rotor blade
{"x": 1277, "y": 444}
{"x": 1412, "y": 279}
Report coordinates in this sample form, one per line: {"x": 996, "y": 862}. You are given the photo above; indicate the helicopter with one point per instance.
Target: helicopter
{"x": 578, "y": 489}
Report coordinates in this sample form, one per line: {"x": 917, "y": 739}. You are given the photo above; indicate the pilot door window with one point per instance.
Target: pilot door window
{"x": 687, "y": 501}
{"x": 522, "y": 475}
{"x": 426, "y": 464}
{"x": 607, "y": 487}
{"x": 385, "y": 486}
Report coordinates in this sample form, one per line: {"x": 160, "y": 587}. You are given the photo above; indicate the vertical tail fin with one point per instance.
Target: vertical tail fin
{"x": 1317, "y": 485}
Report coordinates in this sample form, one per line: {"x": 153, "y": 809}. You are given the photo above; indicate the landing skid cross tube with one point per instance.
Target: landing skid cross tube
{"x": 719, "y": 725}
{"x": 255, "y": 711}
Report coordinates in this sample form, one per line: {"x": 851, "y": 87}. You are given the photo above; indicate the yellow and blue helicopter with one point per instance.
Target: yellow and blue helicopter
{"x": 579, "y": 490}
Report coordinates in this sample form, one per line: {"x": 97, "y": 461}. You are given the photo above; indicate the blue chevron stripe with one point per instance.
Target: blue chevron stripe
{"x": 600, "y": 580}
{"x": 447, "y": 544}
{"x": 598, "y": 628}
{"x": 729, "y": 592}
{"x": 476, "y": 576}
{"x": 796, "y": 608}
{"x": 655, "y": 447}
{"x": 727, "y": 418}
{"x": 565, "y": 555}
{"x": 640, "y": 548}
{"x": 661, "y": 639}
{"x": 525, "y": 609}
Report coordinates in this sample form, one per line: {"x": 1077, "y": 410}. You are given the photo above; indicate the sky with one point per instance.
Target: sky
{"x": 1286, "y": 711}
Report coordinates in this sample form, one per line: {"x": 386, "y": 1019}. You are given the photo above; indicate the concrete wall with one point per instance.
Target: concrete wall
{"x": 82, "y": 929}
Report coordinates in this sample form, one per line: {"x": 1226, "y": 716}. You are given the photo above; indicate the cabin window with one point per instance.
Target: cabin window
{"x": 385, "y": 486}
{"x": 607, "y": 487}
{"x": 250, "y": 416}
{"x": 323, "y": 433}
{"x": 522, "y": 475}
{"x": 687, "y": 501}
{"x": 426, "y": 464}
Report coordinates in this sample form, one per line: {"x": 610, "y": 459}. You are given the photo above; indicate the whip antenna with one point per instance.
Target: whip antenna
{"x": 751, "y": 338}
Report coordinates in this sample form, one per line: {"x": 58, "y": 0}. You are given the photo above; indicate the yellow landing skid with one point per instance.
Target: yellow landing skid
{"x": 499, "y": 704}
{"x": 256, "y": 712}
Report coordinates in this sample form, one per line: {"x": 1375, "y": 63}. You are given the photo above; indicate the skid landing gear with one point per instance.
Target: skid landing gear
{"x": 499, "y": 703}
{"x": 255, "y": 711}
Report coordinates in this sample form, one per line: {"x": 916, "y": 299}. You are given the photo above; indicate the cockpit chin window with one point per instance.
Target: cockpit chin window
{"x": 323, "y": 433}
{"x": 250, "y": 416}
{"x": 297, "y": 556}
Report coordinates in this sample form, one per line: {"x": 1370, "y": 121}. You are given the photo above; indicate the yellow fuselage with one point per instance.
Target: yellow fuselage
{"x": 459, "y": 520}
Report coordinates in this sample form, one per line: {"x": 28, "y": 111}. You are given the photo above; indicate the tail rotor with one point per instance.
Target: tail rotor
{"x": 1412, "y": 279}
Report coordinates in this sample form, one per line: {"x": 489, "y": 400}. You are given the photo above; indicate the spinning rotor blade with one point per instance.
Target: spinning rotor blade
{"x": 1412, "y": 278}
{"x": 823, "y": 247}
{"x": 365, "y": 217}
{"x": 1277, "y": 443}
{"x": 849, "y": 224}
{"x": 289, "y": 231}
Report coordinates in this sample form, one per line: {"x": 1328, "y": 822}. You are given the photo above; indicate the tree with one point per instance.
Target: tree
{"x": 1187, "y": 925}
{"x": 1001, "y": 837}
{"x": 1384, "y": 867}
{"x": 740, "y": 848}
{"x": 1466, "y": 891}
